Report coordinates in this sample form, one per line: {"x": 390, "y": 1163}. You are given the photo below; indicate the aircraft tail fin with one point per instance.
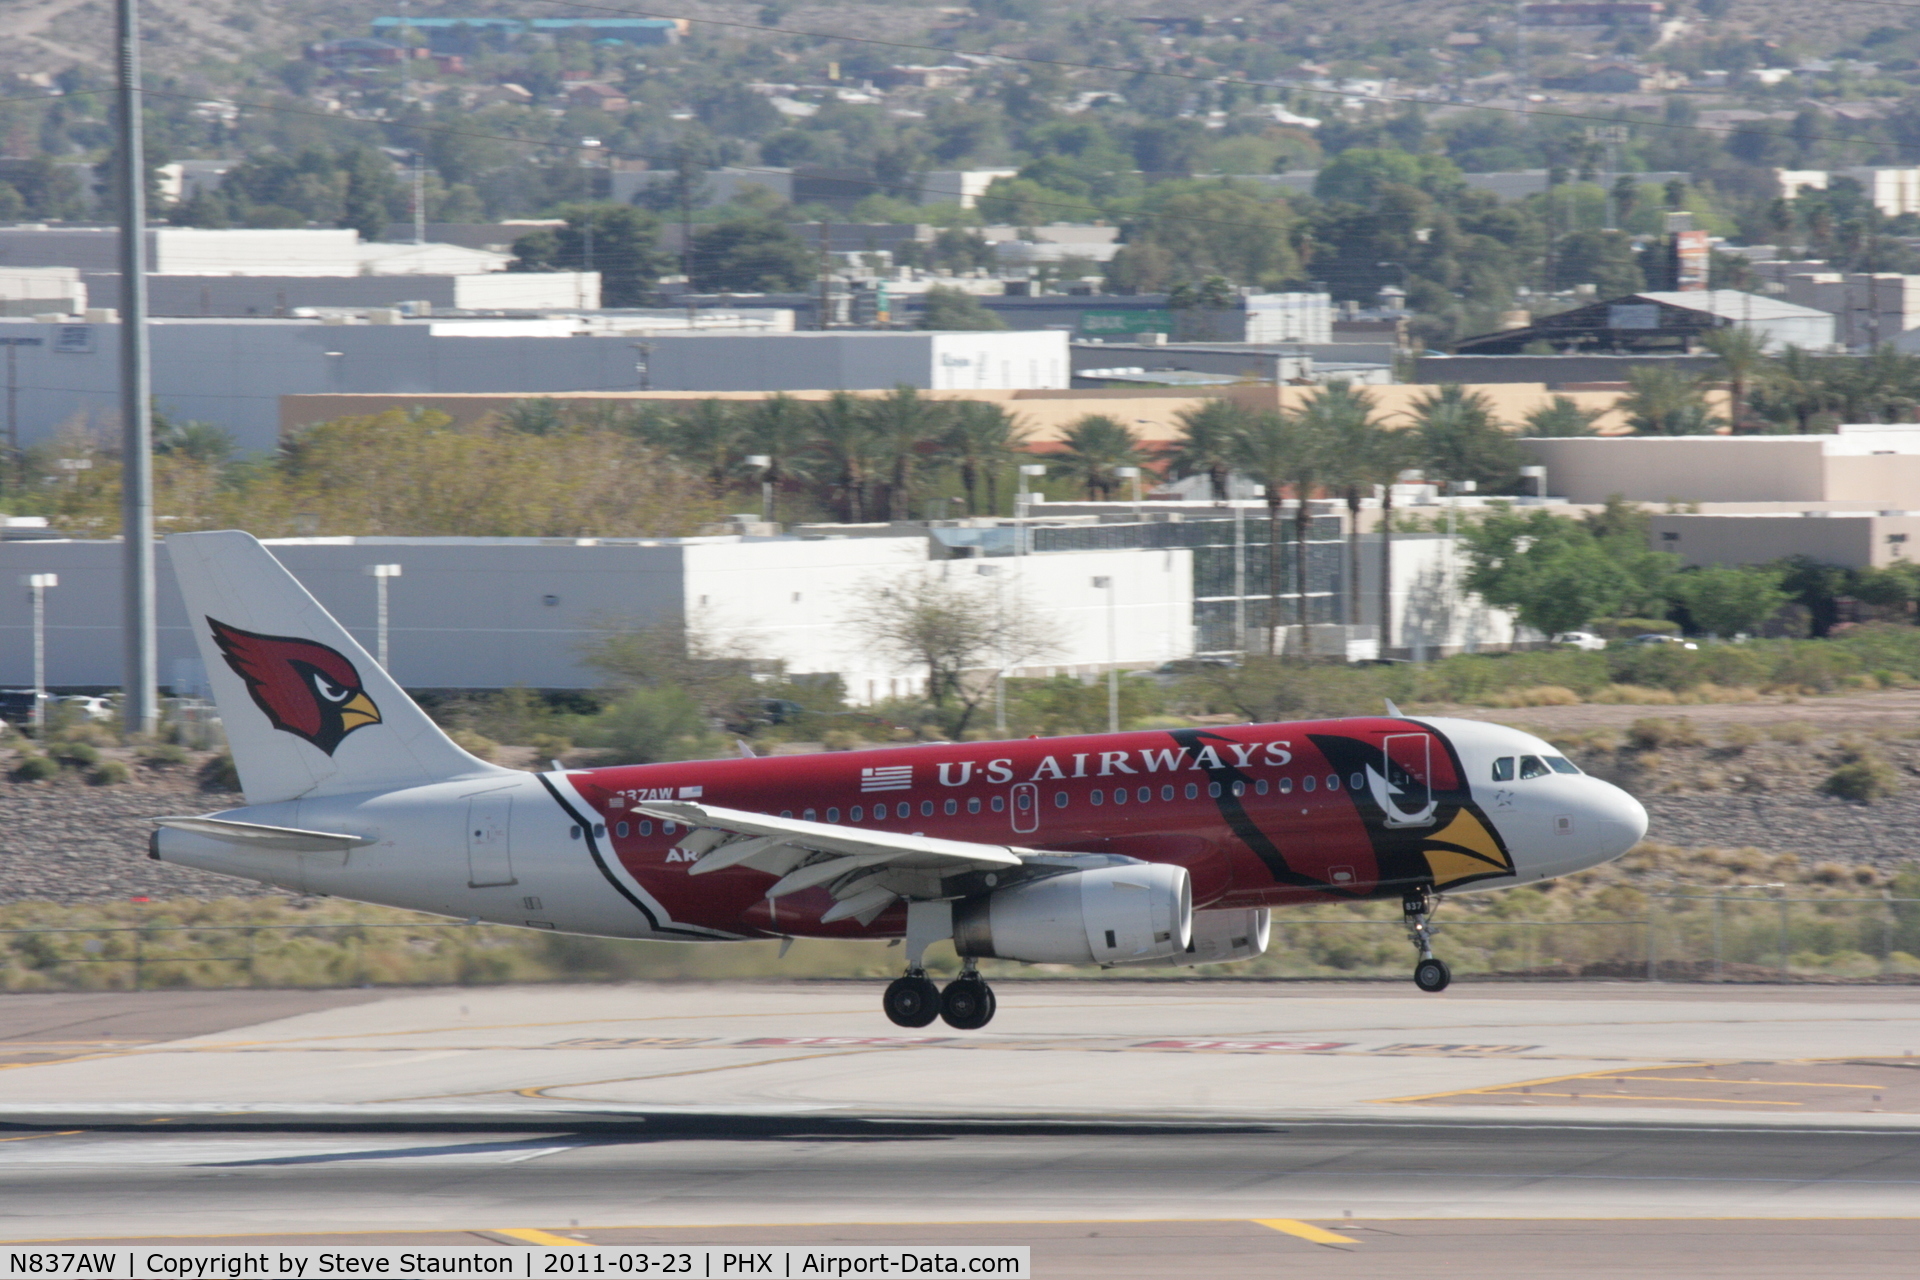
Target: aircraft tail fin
{"x": 307, "y": 711}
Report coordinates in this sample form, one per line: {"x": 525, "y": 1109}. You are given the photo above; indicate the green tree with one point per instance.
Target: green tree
{"x": 1358, "y": 453}
{"x": 1603, "y": 259}
{"x": 904, "y": 423}
{"x": 1663, "y": 401}
{"x": 956, "y": 309}
{"x": 1561, "y": 417}
{"x": 1726, "y": 600}
{"x": 780, "y": 429}
{"x": 710, "y": 437}
{"x": 751, "y": 255}
{"x": 1739, "y": 356}
{"x": 1091, "y": 448}
{"x": 980, "y": 438}
{"x": 1277, "y": 449}
{"x": 1550, "y": 571}
{"x": 620, "y": 242}
{"x": 1206, "y": 443}
{"x": 1459, "y": 439}
{"x": 1185, "y": 231}
{"x": 852, "y": 454}
{"x": 1357, "y": 174}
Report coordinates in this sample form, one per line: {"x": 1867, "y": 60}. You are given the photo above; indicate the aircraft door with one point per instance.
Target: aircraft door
{"x": 489, "y": 839}
{"x": 1405, "y": 787}
{"x": 1026, "y": 807}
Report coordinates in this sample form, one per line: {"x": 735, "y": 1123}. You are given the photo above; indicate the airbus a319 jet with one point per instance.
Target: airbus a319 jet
{"x": 1161, "y": 847}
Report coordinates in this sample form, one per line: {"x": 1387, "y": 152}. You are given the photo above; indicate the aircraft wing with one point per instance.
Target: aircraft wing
{"x": 864, "y": 870}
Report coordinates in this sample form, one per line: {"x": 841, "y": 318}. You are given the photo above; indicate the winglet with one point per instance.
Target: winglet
{"x": 746, "y": 749}
{"x": 1393, "y": 710}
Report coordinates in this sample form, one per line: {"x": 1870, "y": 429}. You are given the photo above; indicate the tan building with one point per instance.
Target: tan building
{"x": 1153, "y": 413}
{"x": 1871, "y": 467}
{"x": 1850, "y": 539}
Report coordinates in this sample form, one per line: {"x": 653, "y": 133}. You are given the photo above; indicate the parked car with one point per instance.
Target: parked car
{"x": 16, "y": 705}
{"x": 93, "y": 708}
{"x": 1580, "y": 640}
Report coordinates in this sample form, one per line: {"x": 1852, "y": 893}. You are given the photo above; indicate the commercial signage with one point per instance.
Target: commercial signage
{"x": 1108, "y": 323}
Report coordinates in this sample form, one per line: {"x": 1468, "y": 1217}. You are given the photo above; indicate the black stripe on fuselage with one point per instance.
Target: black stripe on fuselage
{"x": 593, "y": 848}
{"x": 1241, "y": 822}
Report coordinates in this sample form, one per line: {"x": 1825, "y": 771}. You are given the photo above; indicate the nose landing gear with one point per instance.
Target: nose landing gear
{"x": 1416, "y": 910}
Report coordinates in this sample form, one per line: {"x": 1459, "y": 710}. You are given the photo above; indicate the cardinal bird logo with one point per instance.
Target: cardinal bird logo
{"x": 305, "y": 688}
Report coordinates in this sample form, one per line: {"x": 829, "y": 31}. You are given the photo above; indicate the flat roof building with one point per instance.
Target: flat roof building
{"x": 1871, "y": 465}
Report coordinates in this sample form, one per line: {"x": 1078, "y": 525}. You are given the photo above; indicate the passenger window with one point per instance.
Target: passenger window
{"x": 1166, "y": 793}
{"x": 1143, "y": 795}
{"x": 1286, "y": 786}
{"x": 1357, "y": 781}
{"x": 1309, "y": 782}
{"x": 786, "y": 813}
{"x": 1119, "y": 795}
{"x": 1193, "y": 791}
{"x": 951, "y": 806}
{"x": 646, "y": 827}
{"x": 669, "y": 828}
{"x": 1024, "y": 801}
{"x": 973, "y": 804}
{"x": 1260, "y": 786}
{"x": 903, "y": 810}
{"x": 621, "y": 830}
{"x": 1560, "y": 764}
{"x": 808, "y": 816}
{"x": 999, "y": 804}
{"x": 599, "y": 831}
{"x": 1333, "y": 782}
{"x": 1503, "y": 769}
{"x": 833, "y": 815}
{"x": 1059, "y": 799}
{"x": 857, "y": 814}
{"x": 1213, "y": 790}
{"x": 1096, "y": 796}
{"x": 1530, "y": 767}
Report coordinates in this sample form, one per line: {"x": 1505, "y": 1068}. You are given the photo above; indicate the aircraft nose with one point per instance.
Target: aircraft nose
{"x": 1615, "y": 821}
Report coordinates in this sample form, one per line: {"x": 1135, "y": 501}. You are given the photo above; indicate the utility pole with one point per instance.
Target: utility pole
{"x": 37, "y": 584}
{"x": 381, "y": 575}
{"x": 419, "y": 198}
{"x": 140, "y": 708}
{"x": 684, "y": 162}
{"x": 826, "y": 275}
{"x": 1105, "y": 582}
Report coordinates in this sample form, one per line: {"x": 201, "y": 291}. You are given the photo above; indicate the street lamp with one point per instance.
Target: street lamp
{"x": 764, "y": 462}
{"x": 1105, "y": 583}
{"x": 37, "y": 584}
{"x": 380, "y": 573}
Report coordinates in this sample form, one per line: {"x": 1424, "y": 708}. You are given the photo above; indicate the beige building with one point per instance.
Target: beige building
{"x": 1851, "y": 539}
{"x": 1869, "y": 467}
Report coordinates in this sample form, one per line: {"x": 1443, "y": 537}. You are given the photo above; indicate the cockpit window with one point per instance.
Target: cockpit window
{"x": 1560, "y": 764}
{"x": 1503, "y": 769}
{"x": 1531, "y": 767}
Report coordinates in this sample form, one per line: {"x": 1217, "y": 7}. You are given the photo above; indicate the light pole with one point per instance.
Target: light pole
{"x": 764, "y": 463}
{"x": 37, "y": 584}
{"x": 1131, "y": 474}
{"x": 1105, "y": 583}
{"x": 1021, "y": 502}
{"x": 140, "y": 709}
{"x": 380, "y": 573}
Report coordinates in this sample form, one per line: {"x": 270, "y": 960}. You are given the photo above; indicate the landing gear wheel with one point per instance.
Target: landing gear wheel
{"x": 912, "y": 1001}
{"x": 1432, "y": 975}
{"x": 967, "y": 1004}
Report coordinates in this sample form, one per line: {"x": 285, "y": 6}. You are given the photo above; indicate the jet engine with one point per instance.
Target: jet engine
{"x": 1107, "y": 915}
{"x": 1220, "y": 937}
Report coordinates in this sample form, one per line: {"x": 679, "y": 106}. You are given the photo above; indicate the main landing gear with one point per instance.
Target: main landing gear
{"x": 967, "y": 1004}
{"x": 1416, "y": 910}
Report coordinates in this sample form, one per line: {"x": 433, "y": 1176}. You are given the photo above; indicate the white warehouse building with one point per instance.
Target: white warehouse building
{"x": 489, "y": 613}
{"x": 233, "y": 372}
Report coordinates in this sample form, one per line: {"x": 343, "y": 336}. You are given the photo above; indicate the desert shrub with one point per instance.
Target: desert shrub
{"x": 34, "y": 768}
{"x": 1862, "y": 777}
{"x": 1795, "y": 733}
{"x": 109, "y": 773}
{"x": 74, "y": 755}
{"x": 549, "y": 746}
{"x": 219, "y": 774}
{"x": 164, "y": 754}
{"x": 1653, "y": 733}
{"x": 474, "y": 744}
{"x": 1739, "y": 736}
{"x": 1634, "y": 695}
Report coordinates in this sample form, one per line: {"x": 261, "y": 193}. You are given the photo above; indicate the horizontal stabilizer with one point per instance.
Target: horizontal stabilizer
{"x": 259, "y": 836}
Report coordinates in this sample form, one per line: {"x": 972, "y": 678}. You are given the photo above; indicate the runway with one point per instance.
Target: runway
{"x": 1123, "y": 1129}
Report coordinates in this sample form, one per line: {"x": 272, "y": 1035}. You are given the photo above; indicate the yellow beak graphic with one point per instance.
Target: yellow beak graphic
{"x": 1465, "y": 850}
{"x": 358, "y": 712}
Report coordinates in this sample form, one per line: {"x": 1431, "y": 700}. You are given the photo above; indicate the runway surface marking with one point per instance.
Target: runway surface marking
{"x": 533, "y": 1235}
{"x": 1854, "y": 1084}
{"x": 29, "y": 1137}
{"x": 543, "y": 1091}
{"x": 1305, "y": 1230}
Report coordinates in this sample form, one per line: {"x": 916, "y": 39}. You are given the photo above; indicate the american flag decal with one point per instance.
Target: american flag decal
{"x": 887, "y": 777}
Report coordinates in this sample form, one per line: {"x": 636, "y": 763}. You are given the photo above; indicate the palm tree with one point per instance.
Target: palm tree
{"x": 1092, "y": 447}
{"x": 903, "y": 423}
{"x": 1666, "y": 402}
{"x": 708, "y": 437}
{"x": 780, "y": 428}
{"x": 981, "y": 437}
{"x": 1357, "y": 453}
{"x": 1460, "y": 438}
{"x": 845, "y": 437}
{"x": 1277, "y": 450}
{"x": 1739, "y": 355}
{"x": 1205, "y": 447}
{"x": 1561, "y": 417}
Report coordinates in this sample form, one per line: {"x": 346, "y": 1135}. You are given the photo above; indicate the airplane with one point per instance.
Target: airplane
{"x": 1155, "y": 847}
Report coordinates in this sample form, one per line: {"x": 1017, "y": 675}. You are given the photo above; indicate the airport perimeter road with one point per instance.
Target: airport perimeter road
{"x": 1121, "y": 1129}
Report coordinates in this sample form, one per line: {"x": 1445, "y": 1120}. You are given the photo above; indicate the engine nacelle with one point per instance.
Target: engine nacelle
{"x": 1108, "y": 915}
{"x": 1220, "y": 937}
